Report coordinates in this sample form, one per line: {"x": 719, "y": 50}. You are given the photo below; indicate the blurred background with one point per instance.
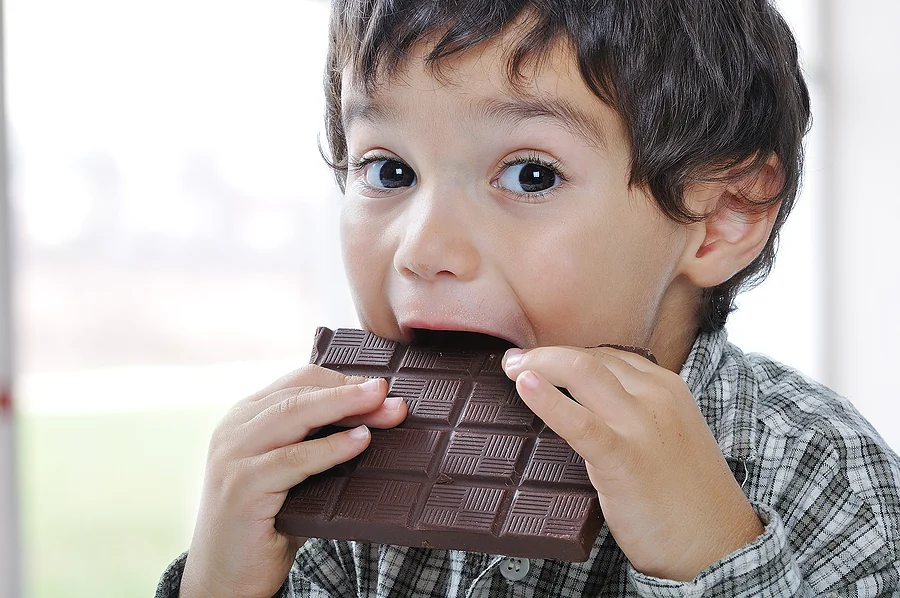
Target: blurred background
{"x": 172, "y": 245}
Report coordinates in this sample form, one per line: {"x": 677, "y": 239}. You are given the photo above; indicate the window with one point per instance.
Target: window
{"x": 175, "y": 250}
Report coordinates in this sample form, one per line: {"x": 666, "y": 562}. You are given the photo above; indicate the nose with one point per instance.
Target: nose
{"x": 439, "y": 239}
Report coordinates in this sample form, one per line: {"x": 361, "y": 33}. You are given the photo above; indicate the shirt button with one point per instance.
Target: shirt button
{"x": 514, "y": 569}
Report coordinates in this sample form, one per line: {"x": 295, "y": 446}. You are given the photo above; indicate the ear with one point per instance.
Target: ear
{"x": 735, "y": 227}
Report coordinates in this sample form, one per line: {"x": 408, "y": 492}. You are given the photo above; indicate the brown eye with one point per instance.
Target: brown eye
{"x": 389, "y": 174}
{"x": 528, "y": 177}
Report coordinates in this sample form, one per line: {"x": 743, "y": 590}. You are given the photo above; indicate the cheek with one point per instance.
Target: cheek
{"x": 583, "y": 286}
{"x": 558, "y": 283}
{"x": 362, "y": 254}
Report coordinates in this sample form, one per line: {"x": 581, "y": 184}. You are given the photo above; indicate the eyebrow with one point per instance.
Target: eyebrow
{"x": 358, "y": 107}
{"x": 557, "y": 111}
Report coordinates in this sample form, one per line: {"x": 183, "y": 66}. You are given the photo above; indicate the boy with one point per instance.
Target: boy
{"x": 565, "y": 174}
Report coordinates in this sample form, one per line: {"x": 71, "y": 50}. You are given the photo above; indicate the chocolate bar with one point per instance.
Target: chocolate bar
{"x": 471, "y": 468}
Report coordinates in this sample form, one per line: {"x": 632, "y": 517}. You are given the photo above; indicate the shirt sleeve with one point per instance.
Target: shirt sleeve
{"x": 831, "y": 511}
{"x": 170, "y": 582}
{"x": 322, "y": 568}
{"x": 317, "y": 573}
{"x": 763, "y": 568}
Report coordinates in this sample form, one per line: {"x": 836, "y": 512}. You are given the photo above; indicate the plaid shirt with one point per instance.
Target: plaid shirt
{"x": 821, "y": 479}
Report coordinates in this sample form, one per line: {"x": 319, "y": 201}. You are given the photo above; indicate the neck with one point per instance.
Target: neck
{"x": 678, "y": 324}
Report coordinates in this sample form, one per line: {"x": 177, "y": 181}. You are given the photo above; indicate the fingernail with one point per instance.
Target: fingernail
{"x": 370, "y": 385}
{"x": 358, "y": 433}
{"x": 512, "y": 358}
{"x": 528, "y": 380}
{"x": 392, "y": 403}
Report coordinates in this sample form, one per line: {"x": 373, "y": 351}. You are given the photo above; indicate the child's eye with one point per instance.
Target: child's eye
{"x": 388, "y": 174}
{"x": 529, "y": 177}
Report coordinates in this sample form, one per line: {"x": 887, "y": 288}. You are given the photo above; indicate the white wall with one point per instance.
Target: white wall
{"x": 862, "y": 169}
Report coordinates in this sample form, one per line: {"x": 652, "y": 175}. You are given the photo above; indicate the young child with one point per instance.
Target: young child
{"x": 562, "y": 174}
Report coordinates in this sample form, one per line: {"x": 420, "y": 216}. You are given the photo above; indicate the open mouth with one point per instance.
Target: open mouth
{"x": 459, "y": 339}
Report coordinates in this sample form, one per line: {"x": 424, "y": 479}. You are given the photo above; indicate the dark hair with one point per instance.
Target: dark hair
{"x": 707, "y": 89}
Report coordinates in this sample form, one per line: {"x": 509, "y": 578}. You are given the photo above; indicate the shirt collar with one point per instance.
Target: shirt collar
{"x": 721, "y": 379}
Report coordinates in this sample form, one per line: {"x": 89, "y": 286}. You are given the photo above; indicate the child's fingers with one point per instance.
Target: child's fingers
{"x": 391, "y": 413}
{"x": 635, "y": 373}
{"x": 586, "y": 433}
{"x": 308, "y": 378}
{"x": 280, "y": 469}
{"x": 638, "y": 376}
{"x": 585, "y": 375}
{"x": 309, "y": 375}
{"x": 638, "y": 362}
{"x": 299, "y": 410}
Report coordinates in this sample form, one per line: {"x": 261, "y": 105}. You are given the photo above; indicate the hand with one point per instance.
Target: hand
{"x": 667, "y": 494}
{"x": 256, "y": 455}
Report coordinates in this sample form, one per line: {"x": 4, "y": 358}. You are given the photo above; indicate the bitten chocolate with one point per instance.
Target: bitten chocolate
{"x": 471, "y": 468}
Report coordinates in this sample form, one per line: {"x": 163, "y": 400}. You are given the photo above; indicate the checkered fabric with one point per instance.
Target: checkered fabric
{"x": 823, "y": 482}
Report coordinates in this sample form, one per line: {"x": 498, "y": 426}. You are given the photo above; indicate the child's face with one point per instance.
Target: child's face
{"x": 488, "y": 209}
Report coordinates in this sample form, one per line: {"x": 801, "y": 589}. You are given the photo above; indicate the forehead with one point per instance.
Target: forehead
{"x": 549, "y": 88}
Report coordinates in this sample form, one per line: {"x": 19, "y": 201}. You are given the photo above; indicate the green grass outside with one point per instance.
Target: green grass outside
{"x": 107, "y": 501}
